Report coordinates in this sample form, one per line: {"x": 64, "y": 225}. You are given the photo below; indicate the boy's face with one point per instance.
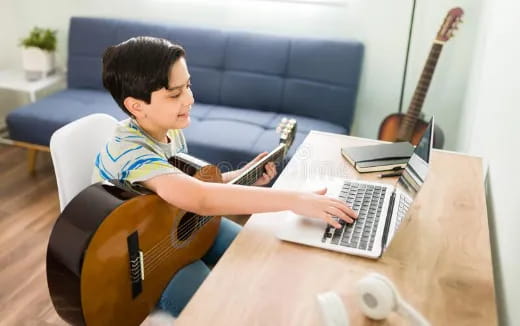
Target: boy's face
{"x": 170, "y": 108}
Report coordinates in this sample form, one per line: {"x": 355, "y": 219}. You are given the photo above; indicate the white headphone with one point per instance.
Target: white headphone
{"x": 377, "y": 297}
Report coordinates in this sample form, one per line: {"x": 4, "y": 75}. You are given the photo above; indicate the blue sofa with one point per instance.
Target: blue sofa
{"x": 243, "y": 84}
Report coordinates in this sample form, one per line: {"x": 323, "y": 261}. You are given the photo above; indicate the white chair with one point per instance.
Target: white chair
{"x": 73, "y": 150}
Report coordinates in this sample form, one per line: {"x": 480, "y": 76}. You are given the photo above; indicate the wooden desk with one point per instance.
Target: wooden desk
{"x": 440, "y": 259}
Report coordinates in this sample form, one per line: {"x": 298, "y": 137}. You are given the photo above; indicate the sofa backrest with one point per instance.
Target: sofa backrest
{"x": 312, "y": 77}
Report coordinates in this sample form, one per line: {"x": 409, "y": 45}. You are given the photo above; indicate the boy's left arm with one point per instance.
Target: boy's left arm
{"x": 267, "y": 176}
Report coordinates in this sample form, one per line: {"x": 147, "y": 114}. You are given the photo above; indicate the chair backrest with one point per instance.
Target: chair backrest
{"x": 74, "y": 148}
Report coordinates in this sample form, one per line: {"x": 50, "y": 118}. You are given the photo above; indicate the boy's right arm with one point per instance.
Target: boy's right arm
{"x": 204, "y": 198}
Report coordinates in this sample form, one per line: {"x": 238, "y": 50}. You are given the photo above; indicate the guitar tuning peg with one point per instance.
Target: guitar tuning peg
{"x": 292, "y": 121}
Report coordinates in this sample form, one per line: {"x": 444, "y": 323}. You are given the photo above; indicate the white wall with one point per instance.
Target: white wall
{"x": 489, "y": 128}
{"x": 8, "y": 57}
{"x": 382, "y": 25}
{"x": 6, "y": 38}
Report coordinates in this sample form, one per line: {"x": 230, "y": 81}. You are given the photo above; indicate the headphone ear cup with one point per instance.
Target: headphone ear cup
{"x": 332, "y": 309}
{"x": 376, "y": 298}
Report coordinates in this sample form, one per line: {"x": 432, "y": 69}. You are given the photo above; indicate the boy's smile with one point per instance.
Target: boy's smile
{"x": 184, "y": 116}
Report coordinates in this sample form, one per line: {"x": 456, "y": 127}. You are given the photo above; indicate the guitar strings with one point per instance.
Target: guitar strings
{"x": 165, "y": 248}
{"x": 152, "y": 266}
{"x": 182, "y": 232}
{"x": 156, "y": 252}
{"x": 250, "y": 178}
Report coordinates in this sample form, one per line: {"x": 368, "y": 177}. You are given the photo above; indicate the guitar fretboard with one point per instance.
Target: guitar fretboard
{"x": 250, "y": 176}
{"x": 414, "y": 110}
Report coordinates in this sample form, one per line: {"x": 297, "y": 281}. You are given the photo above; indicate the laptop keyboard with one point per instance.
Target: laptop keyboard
{"x": 367, "y": 201}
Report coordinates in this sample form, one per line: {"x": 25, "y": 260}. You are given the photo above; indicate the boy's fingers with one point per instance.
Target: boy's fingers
{"x": 259, "y": 156}
{"x": 349, "y": 211}
{"x": 271, "y": 170}
{"x": 321, "y": 191}
{"x": 331, "y": 221}
{"x": 337, "y": 212}
{"x": 345, "y": 208}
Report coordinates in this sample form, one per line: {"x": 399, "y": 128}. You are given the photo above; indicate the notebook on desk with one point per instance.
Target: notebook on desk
{"x": 381, "y": 208}
{"x": 379, "y": 157}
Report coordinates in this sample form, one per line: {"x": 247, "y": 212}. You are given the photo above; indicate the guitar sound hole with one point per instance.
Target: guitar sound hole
{"x": 187, "y": 226}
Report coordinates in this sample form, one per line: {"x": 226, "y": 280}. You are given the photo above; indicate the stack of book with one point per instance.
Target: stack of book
{"x": 381, "y": 157}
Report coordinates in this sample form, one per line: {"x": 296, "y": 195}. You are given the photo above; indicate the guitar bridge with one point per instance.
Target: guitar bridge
{"x": 136, "y": 263}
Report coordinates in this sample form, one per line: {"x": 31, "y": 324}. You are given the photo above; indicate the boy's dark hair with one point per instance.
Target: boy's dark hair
{"x": 138, "y": 67}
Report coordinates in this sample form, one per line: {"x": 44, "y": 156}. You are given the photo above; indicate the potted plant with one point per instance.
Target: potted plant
{"x": 38, "y": 53}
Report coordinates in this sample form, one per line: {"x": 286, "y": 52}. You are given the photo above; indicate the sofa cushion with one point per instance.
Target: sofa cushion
{"x": 259, "y": 118}
{"x": 267, "y": 120}
{"x": 35, "y": 123}
{"x": 253, "y": 132}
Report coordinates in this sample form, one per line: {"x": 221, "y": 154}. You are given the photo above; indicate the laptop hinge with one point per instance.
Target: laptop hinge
{"x": 387, "y": 222}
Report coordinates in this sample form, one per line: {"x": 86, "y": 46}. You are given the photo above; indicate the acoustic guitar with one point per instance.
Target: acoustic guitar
{"x": 115, "y": 246}
{"x": 409, "y": 126}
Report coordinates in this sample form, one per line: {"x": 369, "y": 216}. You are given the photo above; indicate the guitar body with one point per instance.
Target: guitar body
{"x": 389, "y": 130}
{"x": 93, "y": 274}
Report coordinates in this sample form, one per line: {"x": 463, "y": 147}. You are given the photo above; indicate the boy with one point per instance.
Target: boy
{"x": 149, "y": 79}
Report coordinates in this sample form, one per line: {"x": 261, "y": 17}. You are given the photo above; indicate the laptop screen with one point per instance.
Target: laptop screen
{"x": 415, "y": 172}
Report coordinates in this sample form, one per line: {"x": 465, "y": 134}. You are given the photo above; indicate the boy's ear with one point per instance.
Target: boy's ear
{"x": 134, "y": 106}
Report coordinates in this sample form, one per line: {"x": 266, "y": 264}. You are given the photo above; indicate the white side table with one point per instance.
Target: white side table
{"x": 15, "y": 80}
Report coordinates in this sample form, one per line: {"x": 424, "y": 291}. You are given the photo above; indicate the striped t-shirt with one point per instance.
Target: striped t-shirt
{"x": 132, "y": 155}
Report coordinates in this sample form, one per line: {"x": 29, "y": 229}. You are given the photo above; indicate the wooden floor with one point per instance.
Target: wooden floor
{"x": 28, "y": 208}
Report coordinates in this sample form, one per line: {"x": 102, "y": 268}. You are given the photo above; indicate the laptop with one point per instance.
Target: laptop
{"x": 381, "y": 209}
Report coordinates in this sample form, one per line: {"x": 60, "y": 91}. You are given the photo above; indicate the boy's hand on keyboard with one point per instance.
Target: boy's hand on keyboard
{"x": 316, "y": 204}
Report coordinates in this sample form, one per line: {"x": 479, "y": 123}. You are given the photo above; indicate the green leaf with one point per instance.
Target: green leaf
{"x": 43, "y": 38}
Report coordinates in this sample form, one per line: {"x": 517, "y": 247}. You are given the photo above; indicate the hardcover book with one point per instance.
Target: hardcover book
{"x": 378, "y": 157}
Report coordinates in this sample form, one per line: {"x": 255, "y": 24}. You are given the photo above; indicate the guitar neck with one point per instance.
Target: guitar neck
{"x": 249, "y": 176}
{"x": 414, "y": 110}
